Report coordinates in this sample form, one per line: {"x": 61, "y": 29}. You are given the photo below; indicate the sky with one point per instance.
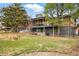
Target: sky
{"x": 39, "y": 1}
{"x": 31, "y": 8}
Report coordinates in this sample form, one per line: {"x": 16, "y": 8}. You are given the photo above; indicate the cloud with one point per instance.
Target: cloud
{"x": 35, "y": 7}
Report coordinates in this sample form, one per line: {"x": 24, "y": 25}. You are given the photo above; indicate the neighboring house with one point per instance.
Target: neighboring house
{"x": 1, "y": 26}
{"x": 77, "y": 26}
{"x": 25, "y": 28}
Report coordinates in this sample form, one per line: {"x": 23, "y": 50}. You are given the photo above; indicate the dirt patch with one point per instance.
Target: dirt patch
{"x": 43, "y": 54}
{"x": 74, "y": 53}
{"x": 12, "y": 36}
{"x": 76, "y": 50}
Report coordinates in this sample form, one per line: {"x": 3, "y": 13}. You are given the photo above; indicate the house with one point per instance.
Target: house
{"x": 40, "y": 25}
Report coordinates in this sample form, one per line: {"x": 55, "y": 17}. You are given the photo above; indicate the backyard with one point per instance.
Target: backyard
{"x": 27, "y": 44}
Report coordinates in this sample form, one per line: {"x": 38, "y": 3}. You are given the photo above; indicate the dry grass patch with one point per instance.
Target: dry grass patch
{"x": 33, "y": 43}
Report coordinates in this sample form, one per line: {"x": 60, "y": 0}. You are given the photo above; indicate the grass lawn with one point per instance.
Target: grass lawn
{"x": 31, "y": 43}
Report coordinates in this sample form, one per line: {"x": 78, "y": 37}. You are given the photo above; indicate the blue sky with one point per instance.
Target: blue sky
{"x": 32, "y": 9}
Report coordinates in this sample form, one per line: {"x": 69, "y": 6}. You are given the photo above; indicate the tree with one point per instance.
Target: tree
{"x": 59, "y": 9}
{"x": 49, "y": 11}
{"x": 52, "y": 9}
{"x": 70, "y": 7}
{"x": 13, "y": 16}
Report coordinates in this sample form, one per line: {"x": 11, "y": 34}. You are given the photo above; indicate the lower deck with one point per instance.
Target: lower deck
{"x": 50, "y": 30}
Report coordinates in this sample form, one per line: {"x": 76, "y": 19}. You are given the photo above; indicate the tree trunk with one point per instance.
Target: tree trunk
{"x": 58, "y": 31}
{"x": 53, "y": 30}
{"x": 68, "y": 31}
{"x": 44, "y": 31}
{"x": 14, "y": 29}
{"x": 69, "y": 27}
